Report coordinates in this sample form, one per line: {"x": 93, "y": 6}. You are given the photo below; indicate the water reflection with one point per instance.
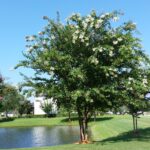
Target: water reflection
{"x": 37, "y": 136}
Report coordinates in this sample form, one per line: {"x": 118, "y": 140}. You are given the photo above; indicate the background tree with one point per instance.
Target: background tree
{"x": 25, "y": 107}
{"x": 86, "y": 61}
{"x": 135, "y": 85}
{"x": 10, "y": 99}
{"x": 1, "y": 87}
{"x": 1, "y": 92}
{"x": 47, "y": 107}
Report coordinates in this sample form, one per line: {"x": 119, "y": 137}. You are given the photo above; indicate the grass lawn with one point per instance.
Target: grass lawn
{"x": 29, "y": 122}
{"x": 108, "y": 133}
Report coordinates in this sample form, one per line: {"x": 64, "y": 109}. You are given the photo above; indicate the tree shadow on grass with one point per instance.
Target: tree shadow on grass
{"x": 142, "y": 135}
{"x": 101, "y": 119}
{"x": 91, "y": 120}
{"x": 6, "y": 119}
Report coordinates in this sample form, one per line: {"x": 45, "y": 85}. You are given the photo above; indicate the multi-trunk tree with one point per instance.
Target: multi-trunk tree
{"x": 85, "y": 62}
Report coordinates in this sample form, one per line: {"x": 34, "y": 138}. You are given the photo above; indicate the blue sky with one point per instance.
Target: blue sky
{"x": 19, "y": 18}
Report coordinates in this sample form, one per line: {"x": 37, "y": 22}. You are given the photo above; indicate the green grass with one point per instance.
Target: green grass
{"x": 108, "y": 133}
{"x": 29, "y": 122}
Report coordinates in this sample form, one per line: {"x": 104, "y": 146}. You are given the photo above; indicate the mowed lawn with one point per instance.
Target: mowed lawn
{"x": 108, "y": 133}
{"x": 29, "y": 122}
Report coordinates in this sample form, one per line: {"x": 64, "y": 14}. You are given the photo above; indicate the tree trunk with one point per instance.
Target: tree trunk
{"x": 83, "y": 123}
{"x": 6, "y": 114}
{"x": 69, "y": 116}
{"x": 83, "y": 130}
{"x": 133, "y": 117}
{"x": 94, "y": 116}
{"x": 136, "y": 128}
{"x": 135, "y": 124}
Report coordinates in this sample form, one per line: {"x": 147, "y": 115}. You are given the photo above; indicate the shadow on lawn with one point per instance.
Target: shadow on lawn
{"x": 6, "y": 119}
{"x": 142, "y": 135}
{"x": 91, "y": 120}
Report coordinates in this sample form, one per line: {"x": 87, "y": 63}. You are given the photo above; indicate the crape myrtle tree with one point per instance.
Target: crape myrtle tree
{"x": 137, "y": 87}
{"x": 85, "y": 61}
{"x": 134, "y": 86}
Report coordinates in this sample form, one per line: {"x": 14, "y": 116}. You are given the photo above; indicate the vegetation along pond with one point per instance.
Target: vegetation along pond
{"x": 38, "y": 136}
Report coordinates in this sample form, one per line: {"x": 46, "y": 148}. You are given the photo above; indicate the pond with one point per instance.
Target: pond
{"x": 38, "y": 136}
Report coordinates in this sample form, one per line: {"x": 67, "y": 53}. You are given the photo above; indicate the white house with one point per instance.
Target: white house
{"x": 37, "y": 106}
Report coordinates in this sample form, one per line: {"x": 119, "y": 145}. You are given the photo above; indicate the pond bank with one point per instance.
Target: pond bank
{"x": 110, "y": 133}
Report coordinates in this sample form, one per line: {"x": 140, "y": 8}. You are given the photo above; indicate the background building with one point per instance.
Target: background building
{"x": 37, "y": 106}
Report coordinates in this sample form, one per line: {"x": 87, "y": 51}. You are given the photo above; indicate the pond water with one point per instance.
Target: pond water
{"x": 38, "y": 136}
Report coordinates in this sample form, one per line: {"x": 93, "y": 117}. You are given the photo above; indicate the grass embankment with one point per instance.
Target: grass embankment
{"x": 29, "y": 122}
{"x": 109, "y": 133}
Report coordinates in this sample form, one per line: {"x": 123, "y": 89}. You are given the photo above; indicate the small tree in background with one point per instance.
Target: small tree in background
{"x": 135, "y": 86}
{"x": 47, "y": 107}
{"x": 10, "y": 99}
{"x": 25, "y": 107}
{"x": 1, "y": 92}
{"x": 1, "y": 87}
{"x": 87, "y": 61}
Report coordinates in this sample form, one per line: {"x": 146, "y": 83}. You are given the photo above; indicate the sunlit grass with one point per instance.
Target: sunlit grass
{"x": 108, "y": 133}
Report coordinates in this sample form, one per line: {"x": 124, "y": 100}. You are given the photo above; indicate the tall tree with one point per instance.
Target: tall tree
{"x": 84, "y": 61}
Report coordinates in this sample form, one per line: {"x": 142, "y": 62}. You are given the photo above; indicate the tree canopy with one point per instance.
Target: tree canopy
{"x": 89, "y": 62}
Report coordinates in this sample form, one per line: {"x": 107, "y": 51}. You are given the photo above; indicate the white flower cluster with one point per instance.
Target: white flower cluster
{"x": 44, "y": 42}
{"x": 117, "y": 41}
{"x": 89, "y": 18}
{"x": 74, "y": 16}
{"x": 115, "y": 19}
{"x": 89, "y": 21}
{"x": 112, "y": 72}
{"x": 99, "y": 49}
{"x": 51, "y": 72}
{"x": 104, "y": 15}
{"x": 52, "y": 37}
{"x": 94, "y": 60}
{"x": 111, "y": 53}
{"x": 98, "y": 23}
{"x": 85, "y": 24}
{"x": 131, "y": 89}
{"x": 130, "y": 80}
{"x": 145, "y": 82}
{"x": 81, "y": 36}
{"x": 80, "y": 76}
{"x": 39, "y": 60}
{"x": 46, "y": 62}
{"x": 141, "y": 96}
{"x": 52, "y": 68}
